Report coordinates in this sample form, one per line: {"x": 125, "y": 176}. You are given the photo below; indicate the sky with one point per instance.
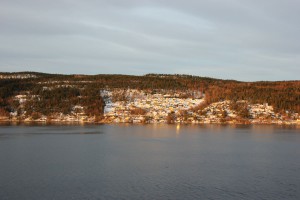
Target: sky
{"x": 246, "y": 40}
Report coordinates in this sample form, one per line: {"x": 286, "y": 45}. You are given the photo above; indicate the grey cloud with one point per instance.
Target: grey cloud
{"x": 245, "y": 40}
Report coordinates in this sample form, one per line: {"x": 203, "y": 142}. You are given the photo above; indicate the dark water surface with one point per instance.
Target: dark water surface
{"x": 149, "y": 162}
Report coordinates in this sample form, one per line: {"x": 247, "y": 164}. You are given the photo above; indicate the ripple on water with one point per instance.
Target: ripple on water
{"x": 130, "y": 162}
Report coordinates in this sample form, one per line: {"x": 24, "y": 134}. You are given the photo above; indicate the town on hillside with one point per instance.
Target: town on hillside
{"x": 152, "y": 98}
{"x": 140, "y": 107}
{"x": 160, "y": 106}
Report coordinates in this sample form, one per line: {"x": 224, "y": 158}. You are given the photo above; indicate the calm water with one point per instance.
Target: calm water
{"x": 149, "y": 162}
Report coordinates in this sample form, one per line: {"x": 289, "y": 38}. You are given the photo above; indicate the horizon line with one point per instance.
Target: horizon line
{"x": 152, "y": 73}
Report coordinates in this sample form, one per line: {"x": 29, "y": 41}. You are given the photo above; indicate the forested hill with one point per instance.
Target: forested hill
{"x": 58, "y": 92}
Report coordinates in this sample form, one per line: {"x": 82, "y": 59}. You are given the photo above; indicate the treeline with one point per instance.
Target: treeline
{"x": 49, "y": 99}
{"x": 8, "y": 89}
{"x": 63, "y": 100}
{"x": 283, "y": 96}
{"x": 59, "y": 93}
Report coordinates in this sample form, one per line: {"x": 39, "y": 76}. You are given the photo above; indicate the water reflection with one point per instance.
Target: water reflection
{"x": 149, "y": 162}
{"x": 178, "y": 129}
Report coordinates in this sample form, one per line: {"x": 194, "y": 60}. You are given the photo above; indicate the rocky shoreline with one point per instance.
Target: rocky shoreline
{"x": 92, "y": 120}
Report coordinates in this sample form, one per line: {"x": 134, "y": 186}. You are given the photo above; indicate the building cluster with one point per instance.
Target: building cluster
{"x": 222, "y": 111}
{"x": 159, "y": 108}
{"x": 155, "y": 107}
{"x": 217, "y": 112}
{"x": 263, "y": 111}
{"x": 137, "y": 106}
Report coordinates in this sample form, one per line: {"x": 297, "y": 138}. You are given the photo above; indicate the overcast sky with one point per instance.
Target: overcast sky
{"x": 232, "y": 39}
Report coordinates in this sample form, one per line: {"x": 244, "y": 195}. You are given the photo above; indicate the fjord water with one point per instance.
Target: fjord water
{"x": 149, "y": 162}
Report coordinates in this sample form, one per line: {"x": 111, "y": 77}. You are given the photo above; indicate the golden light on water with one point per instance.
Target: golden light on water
{"x": 178, "y": 129}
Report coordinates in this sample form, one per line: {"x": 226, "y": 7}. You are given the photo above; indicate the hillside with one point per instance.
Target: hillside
{"x": 32, "y": 94}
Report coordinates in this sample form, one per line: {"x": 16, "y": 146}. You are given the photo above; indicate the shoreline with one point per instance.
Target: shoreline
{"x": 103, "y": 122}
